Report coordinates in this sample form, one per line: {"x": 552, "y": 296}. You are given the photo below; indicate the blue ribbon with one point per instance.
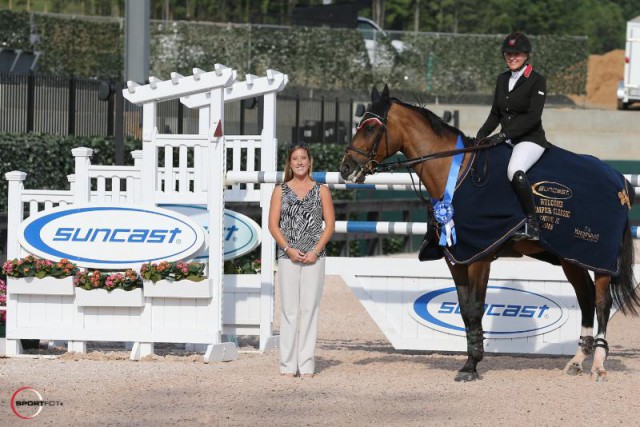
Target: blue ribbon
{"x": 443, "y": 209}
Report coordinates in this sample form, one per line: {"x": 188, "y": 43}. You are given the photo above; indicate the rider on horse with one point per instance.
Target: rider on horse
{"x": 518, "y": 102}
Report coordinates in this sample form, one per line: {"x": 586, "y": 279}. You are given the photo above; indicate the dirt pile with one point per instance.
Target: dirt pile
{"x": 603, "y": 74}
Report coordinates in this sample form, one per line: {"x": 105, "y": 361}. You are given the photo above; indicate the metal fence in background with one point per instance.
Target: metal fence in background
{"x": 70, "y": 106}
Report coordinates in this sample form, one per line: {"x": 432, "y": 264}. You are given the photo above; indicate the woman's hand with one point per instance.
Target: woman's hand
{"x": 296, "y": 255}
{"x": 309, "y": 258}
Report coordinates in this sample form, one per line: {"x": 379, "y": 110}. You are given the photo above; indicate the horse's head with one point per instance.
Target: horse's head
{"x": 371, "y": 143}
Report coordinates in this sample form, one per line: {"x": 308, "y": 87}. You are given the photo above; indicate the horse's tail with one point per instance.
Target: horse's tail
{"x": 623, "y": 287}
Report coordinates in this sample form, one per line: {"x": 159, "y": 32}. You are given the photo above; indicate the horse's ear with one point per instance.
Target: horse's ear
{"x": 375, "y": 95}
{"x": 385, "y": 93}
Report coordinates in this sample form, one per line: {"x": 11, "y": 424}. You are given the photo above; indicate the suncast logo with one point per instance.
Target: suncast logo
{"x": 110, "y": 236}
{"x": 508, "y": 312}
{"x": 241, "y": 234}
{"x": 552, "y": 190}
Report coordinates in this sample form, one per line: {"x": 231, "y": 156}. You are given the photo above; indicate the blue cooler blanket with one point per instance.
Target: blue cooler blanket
{"x": 582, "y": 206}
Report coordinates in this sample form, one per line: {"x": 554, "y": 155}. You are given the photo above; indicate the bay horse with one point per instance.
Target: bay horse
{"x": 391, "y": 126}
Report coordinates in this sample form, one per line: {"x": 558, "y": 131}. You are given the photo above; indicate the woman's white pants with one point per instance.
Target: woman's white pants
{"x": 300, "y": 293}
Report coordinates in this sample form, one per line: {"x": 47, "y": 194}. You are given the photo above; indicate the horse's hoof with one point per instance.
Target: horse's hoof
{"x": 573, "y": 369}
{"x": 599, "y": 375}
{"x": 467, "y": 376}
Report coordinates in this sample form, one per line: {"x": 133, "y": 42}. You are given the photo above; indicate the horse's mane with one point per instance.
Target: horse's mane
{"x": 438, "y": 125}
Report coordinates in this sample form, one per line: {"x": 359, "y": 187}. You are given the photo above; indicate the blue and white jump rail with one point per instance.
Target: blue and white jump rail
{"x": 380, "y": 181}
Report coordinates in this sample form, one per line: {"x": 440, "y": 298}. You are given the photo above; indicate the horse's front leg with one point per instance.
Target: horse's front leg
{"x": 471, "y": 285}
{"x": 603, "y": 310}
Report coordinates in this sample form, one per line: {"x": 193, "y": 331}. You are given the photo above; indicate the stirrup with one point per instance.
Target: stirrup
{"x": 531, "y": 231}
{"x": 527, "y": 233}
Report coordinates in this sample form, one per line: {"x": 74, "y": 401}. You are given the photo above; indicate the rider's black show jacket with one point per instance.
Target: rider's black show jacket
{"x": 519, "y": 112}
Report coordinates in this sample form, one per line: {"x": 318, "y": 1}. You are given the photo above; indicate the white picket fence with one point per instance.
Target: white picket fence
{"x": 191, "y": 172}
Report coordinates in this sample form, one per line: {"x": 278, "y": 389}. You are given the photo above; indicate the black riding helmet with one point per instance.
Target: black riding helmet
{"x": 516, "y": 42}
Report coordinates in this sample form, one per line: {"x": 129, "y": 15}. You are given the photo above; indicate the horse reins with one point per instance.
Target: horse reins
{"x": 388, "y": 167}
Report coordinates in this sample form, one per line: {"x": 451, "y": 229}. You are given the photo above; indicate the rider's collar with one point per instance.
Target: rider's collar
{"x": 516, "y": 74}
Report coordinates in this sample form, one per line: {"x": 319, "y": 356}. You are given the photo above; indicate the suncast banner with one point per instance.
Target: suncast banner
{"x": 111, "y": 236}
{"x": 241, "y": 233}
{"x": 509, "y": 312}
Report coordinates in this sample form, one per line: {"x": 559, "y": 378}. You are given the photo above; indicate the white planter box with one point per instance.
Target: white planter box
{"x": 177, "y": 289}
{"x": 104, "y": 298}
{"x": 44, "y": 286}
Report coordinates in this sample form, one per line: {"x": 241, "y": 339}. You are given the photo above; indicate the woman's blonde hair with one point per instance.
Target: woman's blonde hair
{"x": 288, "y": 172}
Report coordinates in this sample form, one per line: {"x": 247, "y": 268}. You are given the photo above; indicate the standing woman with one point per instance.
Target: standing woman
{"x": 298, "y": 208}
{"x": 518, "y": 102}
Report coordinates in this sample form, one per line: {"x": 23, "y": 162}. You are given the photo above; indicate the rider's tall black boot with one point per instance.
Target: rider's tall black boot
{"x": 522, "y": 188}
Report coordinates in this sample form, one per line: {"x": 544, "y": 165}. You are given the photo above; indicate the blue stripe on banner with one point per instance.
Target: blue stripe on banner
{"x": 320, "y": 177}
{"x": 360, "y": 186}
{"x": 361, "y": 227}
{"x": 634, "y": 231}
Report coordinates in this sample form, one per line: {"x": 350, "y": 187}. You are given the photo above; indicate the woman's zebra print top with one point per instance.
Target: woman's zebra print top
{"x": 301, "y": 220}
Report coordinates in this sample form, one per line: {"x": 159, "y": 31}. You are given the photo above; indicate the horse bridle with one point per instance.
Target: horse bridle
{"x": 370, "y": 167}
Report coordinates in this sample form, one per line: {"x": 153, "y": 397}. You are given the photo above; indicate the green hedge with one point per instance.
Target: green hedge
{"x": 14, "y": 30}
{"x": 450, "y": 64}
{"x": 315, "y": 58}
{"x": 81, "y": 47}
{"x": 47, "y": 159}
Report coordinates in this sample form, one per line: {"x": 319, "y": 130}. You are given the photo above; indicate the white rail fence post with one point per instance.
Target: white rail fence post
{"x": 14, "y": 218}
{"x": 82, "y": 189}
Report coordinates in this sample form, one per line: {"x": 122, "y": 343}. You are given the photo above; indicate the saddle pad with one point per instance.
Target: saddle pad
{"x": 582, "y": 207}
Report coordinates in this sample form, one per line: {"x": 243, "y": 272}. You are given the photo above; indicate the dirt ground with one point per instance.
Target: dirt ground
{"x": 603, "y": 74}
{"x": 361, "y": 380}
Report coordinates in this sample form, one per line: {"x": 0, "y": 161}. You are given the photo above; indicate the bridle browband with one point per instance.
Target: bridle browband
{"x": 372, "y": 166}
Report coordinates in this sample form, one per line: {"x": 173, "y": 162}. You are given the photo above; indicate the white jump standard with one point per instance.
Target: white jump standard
{"x": 232, "y": 304}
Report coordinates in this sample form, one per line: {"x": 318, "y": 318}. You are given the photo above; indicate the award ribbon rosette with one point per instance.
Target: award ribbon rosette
{"x": 443, "y": 209}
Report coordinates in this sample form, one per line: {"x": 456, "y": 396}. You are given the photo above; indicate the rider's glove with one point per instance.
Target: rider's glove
{"x": 495, "y": 139}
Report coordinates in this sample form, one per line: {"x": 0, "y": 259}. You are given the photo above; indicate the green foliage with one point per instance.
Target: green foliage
{"x": 14, "y": 30}
{"x": 96, "y": 279}
{"x": 299, "y": 52}
{"x": 602, "y": 20}
{"x": 47, "y": 159}
{"x": 438, "y": 64}
{"x": 392, "y": 245}
{"x": 181, "y": 46}
{"x": 450, "y": 64}
{"x": 314, "y": 58}
{"x": 31, "y": 266}
{"x": 173, "y": 271}
{"x": 243, "y": 265}
{"x": 80, "y": 47}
